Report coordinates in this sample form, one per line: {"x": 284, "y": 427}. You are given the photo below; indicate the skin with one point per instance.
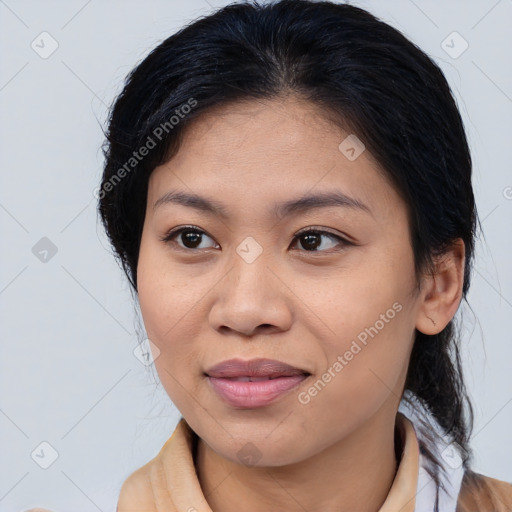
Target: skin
{"x": 304, "y": 307}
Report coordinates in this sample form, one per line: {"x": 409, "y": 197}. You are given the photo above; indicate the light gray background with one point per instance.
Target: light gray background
{"x": 67, "y": 372}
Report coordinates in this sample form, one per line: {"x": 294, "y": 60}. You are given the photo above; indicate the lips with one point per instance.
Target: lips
{"x": 254, "y": 383}
{"x": 253, "y": 369}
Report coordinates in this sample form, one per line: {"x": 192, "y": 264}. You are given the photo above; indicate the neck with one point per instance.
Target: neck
{"x": 356, "y": 473}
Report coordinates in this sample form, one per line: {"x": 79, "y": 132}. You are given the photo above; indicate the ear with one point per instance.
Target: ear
{"x": 442, "y": 292}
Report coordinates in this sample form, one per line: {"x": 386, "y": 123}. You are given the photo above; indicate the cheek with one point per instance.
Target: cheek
{"x": 170, "y": 302}
{"x": 370, "y": 299}
{"x": 164, "y": 293}
{"x": 358, "y": 380}
{"x": 155, "y": 299}
{"x": 370, "y": 319}
{"x": 164, "y": 311}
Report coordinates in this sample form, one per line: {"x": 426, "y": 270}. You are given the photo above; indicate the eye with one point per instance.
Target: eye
{"x": 311, "y": 239}
{"x": 191, "y": 237}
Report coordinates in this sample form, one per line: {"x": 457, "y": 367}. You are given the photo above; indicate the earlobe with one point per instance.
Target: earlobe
{"x": 442, "y": 291}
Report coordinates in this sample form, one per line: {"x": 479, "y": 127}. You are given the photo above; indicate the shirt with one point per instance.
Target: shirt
{"x": 169, "y": 482}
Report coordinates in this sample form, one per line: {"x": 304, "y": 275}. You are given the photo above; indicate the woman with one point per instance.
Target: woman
{"x": 288, "y": 189}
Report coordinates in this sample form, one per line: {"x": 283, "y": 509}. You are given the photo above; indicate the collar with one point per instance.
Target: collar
{"x": 448, "y": 455}
{"x": 170, "y": 479}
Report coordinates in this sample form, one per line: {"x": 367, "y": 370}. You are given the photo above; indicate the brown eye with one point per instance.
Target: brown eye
{"x": 311, "y": 240}
{"x": 191, "y": 239}
{"x": 189, "y": 236}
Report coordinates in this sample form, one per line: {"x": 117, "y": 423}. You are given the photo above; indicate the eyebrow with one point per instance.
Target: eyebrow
{"x": 279, "y": 210}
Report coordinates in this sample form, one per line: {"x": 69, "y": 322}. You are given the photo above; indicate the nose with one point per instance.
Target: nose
{"x": 251, "y": 297}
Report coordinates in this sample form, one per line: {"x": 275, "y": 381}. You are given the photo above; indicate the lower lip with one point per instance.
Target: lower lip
{"x": 254, "y": 394}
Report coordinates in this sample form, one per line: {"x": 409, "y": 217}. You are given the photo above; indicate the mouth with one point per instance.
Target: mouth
{"x": 254, "y": 369}
{"x": 244, "y": 393}
{"x": 254, "y": 383}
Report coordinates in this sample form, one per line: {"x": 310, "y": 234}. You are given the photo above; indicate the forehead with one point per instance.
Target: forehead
{"x": 259, "y": 128}
{"x": 259, "y": 151}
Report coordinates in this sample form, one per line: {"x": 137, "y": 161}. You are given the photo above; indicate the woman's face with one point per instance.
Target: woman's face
{"x": 244, "y": 285}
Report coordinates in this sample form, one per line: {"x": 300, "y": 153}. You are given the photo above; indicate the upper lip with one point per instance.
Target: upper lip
{"x": 253, "y": 368}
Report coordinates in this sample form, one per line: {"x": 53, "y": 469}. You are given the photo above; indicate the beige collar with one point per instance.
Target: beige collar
{"x": 169, "y": 481}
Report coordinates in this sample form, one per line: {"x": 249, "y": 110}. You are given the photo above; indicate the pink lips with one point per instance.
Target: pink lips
{"x": 253, "y": 383}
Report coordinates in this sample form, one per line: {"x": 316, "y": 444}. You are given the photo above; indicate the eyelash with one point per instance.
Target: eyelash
{"x": 173, "y": 233}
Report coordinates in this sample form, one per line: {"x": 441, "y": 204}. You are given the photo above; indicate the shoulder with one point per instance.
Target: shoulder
{"x": 148, "y": 488}
{"x": 484, "y": 493}
{"x": 136, "y": 493}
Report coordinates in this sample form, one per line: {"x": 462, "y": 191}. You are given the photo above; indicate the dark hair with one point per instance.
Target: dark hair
{"x": 361, "y": 73}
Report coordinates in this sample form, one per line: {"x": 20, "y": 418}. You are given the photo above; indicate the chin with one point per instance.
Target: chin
{"x": 253, "y": 451}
